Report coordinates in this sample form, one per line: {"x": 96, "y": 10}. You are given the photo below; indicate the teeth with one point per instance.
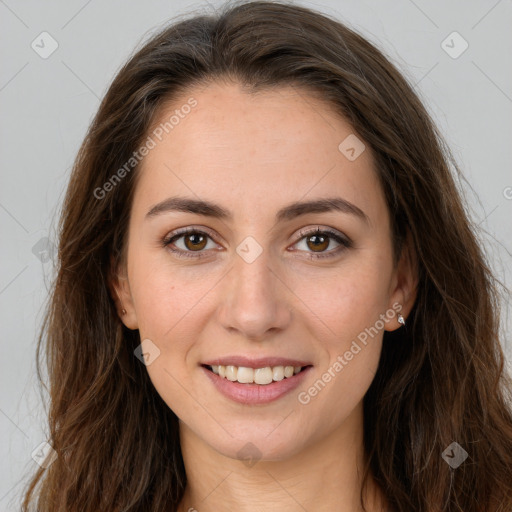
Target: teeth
{"x": 246, "y": 375}
{"x": 231, "y": 373}
{"x": 278, "y": 373}
{"x": 262, "y": 376}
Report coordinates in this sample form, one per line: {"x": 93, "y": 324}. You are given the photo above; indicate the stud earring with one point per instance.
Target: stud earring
{"x": 401, "y": 319}
{"x": 123, "y": 311}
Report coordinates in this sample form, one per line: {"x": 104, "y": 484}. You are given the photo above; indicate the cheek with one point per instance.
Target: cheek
{"x": 165, "y": 296}
{"x": 346, "y": 300}
{"x": 170, "y": 309}
{"x": 344, "y": 311}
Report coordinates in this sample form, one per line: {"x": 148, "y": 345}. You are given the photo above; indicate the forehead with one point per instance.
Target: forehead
{"x": 255, "y": 150}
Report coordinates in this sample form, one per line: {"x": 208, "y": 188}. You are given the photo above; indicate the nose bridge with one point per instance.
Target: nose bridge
{"x": 252, "y": 270}
{"x": 254, "y": 299}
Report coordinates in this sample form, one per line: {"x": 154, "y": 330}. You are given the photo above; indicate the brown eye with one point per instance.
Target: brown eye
{"x": 318, "y": 241}
{"x": 188, "y": 243}
{"x": 195, "y": 241}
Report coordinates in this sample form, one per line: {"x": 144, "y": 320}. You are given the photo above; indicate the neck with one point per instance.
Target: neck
{"x": 325, "y": 476}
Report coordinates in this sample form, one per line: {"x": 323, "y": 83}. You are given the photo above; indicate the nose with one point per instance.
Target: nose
{"x": 255, "y": 299}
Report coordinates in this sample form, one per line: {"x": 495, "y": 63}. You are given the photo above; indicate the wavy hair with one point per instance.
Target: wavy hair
{"x": 440, "y": 379}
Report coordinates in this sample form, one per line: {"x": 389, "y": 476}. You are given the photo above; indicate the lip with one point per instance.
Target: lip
{"x": 256, "y": 394}
{"x": 260, "y": 362}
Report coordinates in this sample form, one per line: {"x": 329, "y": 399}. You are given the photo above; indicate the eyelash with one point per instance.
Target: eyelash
{"x": 345, "y": 243}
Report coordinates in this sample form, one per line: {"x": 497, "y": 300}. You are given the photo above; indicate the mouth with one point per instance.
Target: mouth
{"x": 262, "y": 376}
{"x": 256, "y": 386}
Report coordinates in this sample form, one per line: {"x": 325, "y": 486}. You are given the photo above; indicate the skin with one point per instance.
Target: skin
{"x": 254, "y": 154}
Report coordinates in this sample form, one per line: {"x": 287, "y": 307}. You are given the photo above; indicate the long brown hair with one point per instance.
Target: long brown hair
{"x": 440, "y": 380}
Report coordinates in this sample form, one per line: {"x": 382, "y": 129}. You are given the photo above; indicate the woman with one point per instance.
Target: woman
{"x": 269, "y": 295}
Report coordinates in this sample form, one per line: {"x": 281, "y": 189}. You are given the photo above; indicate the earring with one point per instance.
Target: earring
{"x": 401, "y": 319}
{"x": 123, "y": 311}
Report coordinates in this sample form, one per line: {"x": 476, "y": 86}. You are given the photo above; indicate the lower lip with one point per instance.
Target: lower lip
{"x": 256, "y": 393}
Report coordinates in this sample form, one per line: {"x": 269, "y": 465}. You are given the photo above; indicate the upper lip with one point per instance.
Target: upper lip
{"x": 260, "y": 362}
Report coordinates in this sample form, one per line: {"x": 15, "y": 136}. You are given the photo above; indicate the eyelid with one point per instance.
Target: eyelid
{"x": 188, "y": 230}
{"x": 324, "y": 230}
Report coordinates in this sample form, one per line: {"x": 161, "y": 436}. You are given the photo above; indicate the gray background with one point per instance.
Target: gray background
{"x": 47, "y": 104}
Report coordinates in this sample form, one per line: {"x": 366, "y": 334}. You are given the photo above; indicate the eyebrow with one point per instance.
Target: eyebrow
{"x": 289, "y": 212}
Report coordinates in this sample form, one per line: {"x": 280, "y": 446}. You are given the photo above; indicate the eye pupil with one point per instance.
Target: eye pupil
{"x": 320, "y": 245}
{"x": 196, "y": 243}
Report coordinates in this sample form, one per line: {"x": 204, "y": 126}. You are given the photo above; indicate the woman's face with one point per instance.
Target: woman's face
{"x": 258, "y": 282}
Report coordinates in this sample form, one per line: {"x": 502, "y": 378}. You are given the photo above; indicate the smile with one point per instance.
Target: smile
{"x": 233, "y": 383}
{"x": 262, "y": 376}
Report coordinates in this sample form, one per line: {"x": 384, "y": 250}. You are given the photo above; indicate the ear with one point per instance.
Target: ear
{"x": 119, "y": 288}
{"x": 404, "y": 285}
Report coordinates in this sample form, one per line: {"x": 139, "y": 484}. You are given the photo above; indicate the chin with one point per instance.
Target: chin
{"x": 257, "y": 445}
